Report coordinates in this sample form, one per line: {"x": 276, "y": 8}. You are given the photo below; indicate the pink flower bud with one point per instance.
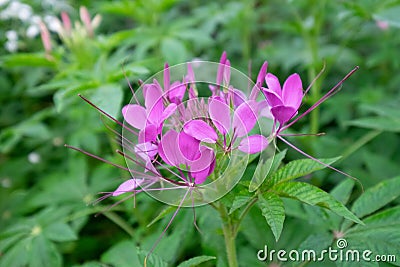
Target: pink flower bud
{"x": 85, "y": 17}
{"x": 66, "y": 22}
{"x": 45, "y": 35}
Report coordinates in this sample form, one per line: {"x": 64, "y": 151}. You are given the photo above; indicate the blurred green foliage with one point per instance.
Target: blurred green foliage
{"x": 46, "y": 190}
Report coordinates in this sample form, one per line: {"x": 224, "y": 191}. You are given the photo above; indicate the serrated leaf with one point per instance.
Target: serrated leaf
{"x": 265, "y": 169}
{"x": 312, "y": 195}
{"x": 123, "y": 254}
{"x": 388, "y": 216}
{"x": 239, "y": 202}
{"x": 59, "y": 232}
{"x": 273, "y": 210}
{"x": 196, "y": 261}
{"x": 377, "y": 197}
{"x": 316, "y": 242}
{"x": 343, "y": 190}
{"x": 296, "y": 169}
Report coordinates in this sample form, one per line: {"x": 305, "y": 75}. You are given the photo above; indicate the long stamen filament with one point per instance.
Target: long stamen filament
{"x": 325, "y": 97}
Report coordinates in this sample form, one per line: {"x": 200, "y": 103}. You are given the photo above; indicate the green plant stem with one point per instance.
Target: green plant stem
{"x": 311, "y": 36}
{"x": 120, "y": 222}
{"x": 244, "y": 212}
{"x": 360, "y": 142}
{"x": 228, "y": 228}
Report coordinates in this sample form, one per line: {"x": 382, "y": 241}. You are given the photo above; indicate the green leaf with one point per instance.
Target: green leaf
{"x": 389, "y": 216}
{"x": 196, "y": 261}
{"x": 265, "y": 169}
{"x": 390, "y": 15}
{"x": 377, "y": 197}
{"x": 296, "y": 169}
{"x": 316, "y": 242}
{"x": 167, "y": 210}
{"x": 239, "y": 202}
{"x": 108, "y": 97}
{"x": 123, "y": 254}
{"x": 60, "y": 232}
{"x": 173, "y": 50}
{"x": 90, "y": 264}
{"x": 16, "y": 255}
{"x": 343, "y": 191}
{"x": 43, "y": 253}
{"x": 29, "y": 60}
{"x": 312, "y": 195}
{"x": 152, "y": 260}
{"x": 273, "y": 210}
{"x": 378, "y": 123}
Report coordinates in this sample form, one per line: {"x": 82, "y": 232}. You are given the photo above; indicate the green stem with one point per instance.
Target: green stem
{"x": 120, "y": 222}
{"x": 245, "y": 211}
{"x": 360, "y": 142}
{"x": 228, "y": 228}
{"x": 312, "y": 36}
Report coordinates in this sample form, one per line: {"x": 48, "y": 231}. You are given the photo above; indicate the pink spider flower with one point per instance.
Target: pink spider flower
{"x": 237, "y": 126}
{"x": 285, "y": 101}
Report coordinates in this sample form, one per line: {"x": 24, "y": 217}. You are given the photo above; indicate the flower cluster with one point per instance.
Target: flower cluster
{"x": 175, "y": 139}
{"x": 178, "y": 131}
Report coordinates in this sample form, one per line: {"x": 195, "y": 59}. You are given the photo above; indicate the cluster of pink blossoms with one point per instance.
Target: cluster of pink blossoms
{"x": 178, "y": 131}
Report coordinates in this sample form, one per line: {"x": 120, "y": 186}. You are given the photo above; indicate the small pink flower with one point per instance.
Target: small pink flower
{"x": 284, "y": 102}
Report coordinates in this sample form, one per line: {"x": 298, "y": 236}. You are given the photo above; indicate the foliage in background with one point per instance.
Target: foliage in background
{"x": 45, "y": 190}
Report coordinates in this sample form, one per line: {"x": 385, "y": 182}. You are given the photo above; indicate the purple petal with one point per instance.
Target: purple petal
{"x": 148, "y": 134}
{"x": 272, "y": 98}
{"x": 259, "y": 83}
{"x": 135, "y": 115}
{"x": 244, "y": 119}
{"x": 168, "y": 111}
{"x": 273, "y": 84}
{"x": 201, "y": 131}
{"x": 227, "y": 72}
{"x": 220, "y": 115}
{"x": 189, "y": 147}
{"x": 204, "y": 166}
{"x": 153, "y": 102}
{"x": 146, "y": 151}
{"x": 127, "y": 186}
{"x": 283, "y": 114}
{"x": 176, "y": 92}
{"x": 168, "y": 149}
{"x": 262, "y": 73}
{"x": 238, "y": 97}
{"x": 253, "y": 144}
{"x": 221, "y": 68}
{"x": 293, "y": 91}
{"x": 167, "y": 77}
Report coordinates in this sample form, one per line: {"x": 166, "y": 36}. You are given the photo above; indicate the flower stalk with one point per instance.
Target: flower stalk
{"x": 229, "y": 231}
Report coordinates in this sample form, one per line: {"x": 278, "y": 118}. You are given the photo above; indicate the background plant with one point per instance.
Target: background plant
{"x": 45, "y": 188}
